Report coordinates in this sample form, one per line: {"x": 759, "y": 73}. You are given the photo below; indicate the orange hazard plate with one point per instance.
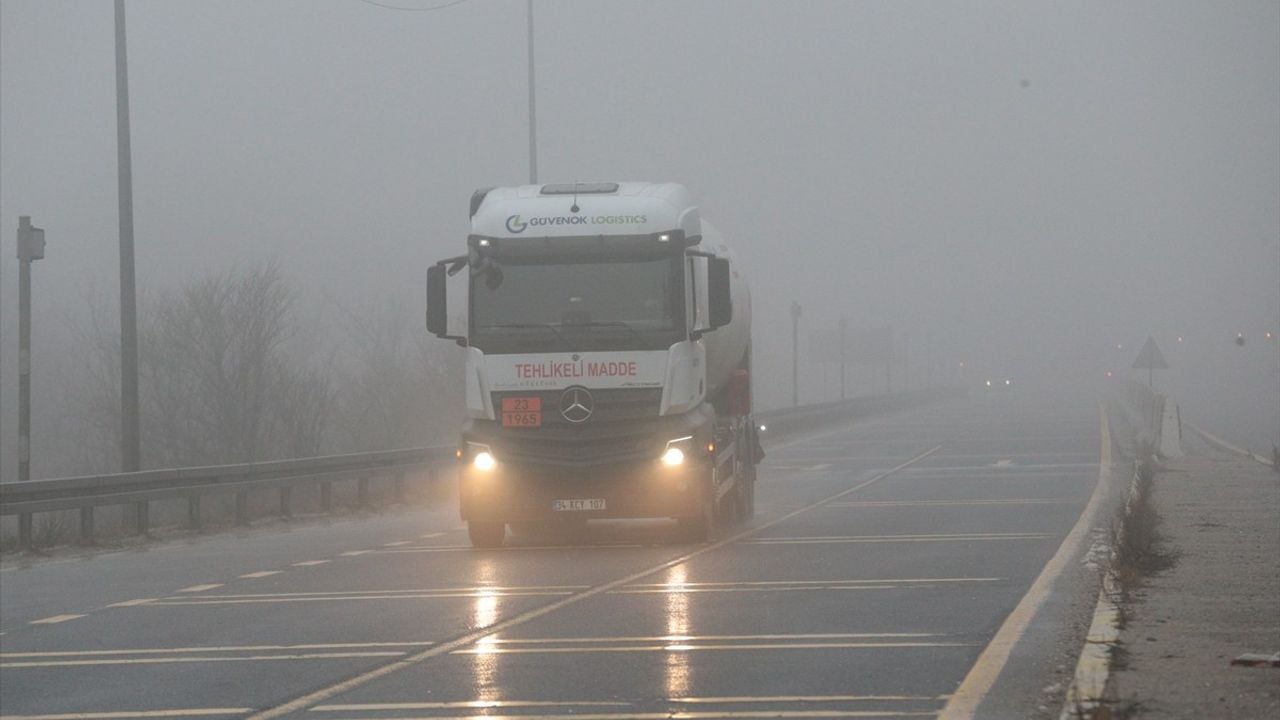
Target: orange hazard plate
{"x": 522, "y": 412}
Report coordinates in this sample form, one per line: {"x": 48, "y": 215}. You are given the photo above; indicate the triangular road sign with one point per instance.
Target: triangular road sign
{"x": 1150, "y": 357}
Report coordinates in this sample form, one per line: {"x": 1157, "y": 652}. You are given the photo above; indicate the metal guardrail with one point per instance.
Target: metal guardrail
{"x": 85, "y": 493}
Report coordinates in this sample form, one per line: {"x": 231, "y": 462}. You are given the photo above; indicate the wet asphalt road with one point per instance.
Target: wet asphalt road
{"x": 883, "y": 558}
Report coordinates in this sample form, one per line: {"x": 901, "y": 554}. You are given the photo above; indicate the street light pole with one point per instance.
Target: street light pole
{"x": 533, "y": 117}
{"x": 130, "y": 436}
{"x": 30, "y": 249}
{"x": 844, "y": 325}
{"x": 795, "y": 353}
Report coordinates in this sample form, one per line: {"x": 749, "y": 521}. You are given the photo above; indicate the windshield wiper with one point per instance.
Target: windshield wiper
{"x": 548, "y": 326}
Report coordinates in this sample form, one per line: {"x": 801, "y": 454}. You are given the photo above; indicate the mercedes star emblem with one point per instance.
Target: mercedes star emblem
{"x": 576, "y": 404}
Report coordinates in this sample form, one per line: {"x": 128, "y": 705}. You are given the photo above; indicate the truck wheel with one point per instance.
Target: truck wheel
{"x": 486, "y": 534}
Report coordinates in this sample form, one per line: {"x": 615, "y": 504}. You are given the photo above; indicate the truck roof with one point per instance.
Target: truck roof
{"x": 584, "y": 208}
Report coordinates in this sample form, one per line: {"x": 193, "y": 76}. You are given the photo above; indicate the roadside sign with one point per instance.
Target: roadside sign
{"x": 1150, "y": 357}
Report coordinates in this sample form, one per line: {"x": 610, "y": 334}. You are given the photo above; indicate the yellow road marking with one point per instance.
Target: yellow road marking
{"x": 982, "y": 676}
{"x": 324, "y": 693}
{"x": 55, "y": 619}
{"x": 309, "y": 563}
{"x": 260, "y": 574}
{"x": 115, "y": 715}
{"x": 213, "y": 648}
{"x": 132, "y": 603}
{"x": 200, "y": 588}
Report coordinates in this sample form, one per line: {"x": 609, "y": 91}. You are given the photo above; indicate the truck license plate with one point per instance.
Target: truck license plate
{"x": 522, "y": 412}
{"x": 573, "y": 505}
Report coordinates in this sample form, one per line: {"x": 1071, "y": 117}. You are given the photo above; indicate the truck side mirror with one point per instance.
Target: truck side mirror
{"x": 437, "y": 302}
{"x": 718, "y": 293}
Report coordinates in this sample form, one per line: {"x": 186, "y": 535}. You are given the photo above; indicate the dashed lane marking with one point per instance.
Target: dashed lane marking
{"x": 793, "y": 585}
{"x": 397, "y": 543}
{"x": 55, "y": 619}
{"x": 354, "y": 553}
{"x": 132, "y": 603}
{"x": 200, "y": 588}
{"x": 259, "y": 574}
{"x": 682, "y": 715}
{"x": 951, "y": 537}
{"x": 123, "y": 714}
{"x": 310, "y": 563}
{"x": 688, "y": 647}
{"x": 315, "y": 697}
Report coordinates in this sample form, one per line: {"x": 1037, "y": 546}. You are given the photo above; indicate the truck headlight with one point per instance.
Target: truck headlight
{"x": 674, "y": 455}
{"x": 482, "y": 458}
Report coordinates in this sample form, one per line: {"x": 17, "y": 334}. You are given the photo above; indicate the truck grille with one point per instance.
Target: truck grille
{"x": 622, "y": 427}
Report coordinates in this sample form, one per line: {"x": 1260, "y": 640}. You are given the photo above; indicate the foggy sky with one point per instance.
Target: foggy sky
{"x": 1021, "y": 186}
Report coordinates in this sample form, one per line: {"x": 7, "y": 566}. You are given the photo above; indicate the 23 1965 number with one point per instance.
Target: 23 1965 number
{"x": 522, "y": 412}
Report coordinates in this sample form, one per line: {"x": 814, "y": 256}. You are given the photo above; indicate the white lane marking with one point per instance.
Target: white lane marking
{"x": 316, "y": 696}
{"x": 55, "y": 619}
{"x": 953, "y": 537}
{"x": 887, "y": 584}
{"x": 200, "y": 588}
{"x": 727, "y": 700}
{"x": 131, "y": 603}
{"x": 679, "y": 646}
{"x": 691, "y": 715}
{"x": 493, "y": 641}
{"x": 194, "y": 659}
{"x": 818, "y": 467}
{"x": 121, "y": 714}
{"x": 1004, "y": 463}
{"x": 428, "y": 536}
{"x": 210, "y": 648}
{"x": 982, "y": 676}
{"x": 951, "y": 503}
{"x": 397, "y": 543}
{"x": 416, "y": 596}
{"x": 310, "y": 563}
{"x": 354, "y": 553}
{"x": 260, "y": 574}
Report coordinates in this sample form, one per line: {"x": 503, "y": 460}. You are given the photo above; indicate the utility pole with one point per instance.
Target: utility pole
{"x": 30, "y": 249}
{"x": 795, "y": 353}
{"x": 533, "y": 117}
{"x": 130, "y": 437}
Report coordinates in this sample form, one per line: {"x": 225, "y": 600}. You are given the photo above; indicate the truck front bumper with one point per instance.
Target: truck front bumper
{"x": 513, "y": 493}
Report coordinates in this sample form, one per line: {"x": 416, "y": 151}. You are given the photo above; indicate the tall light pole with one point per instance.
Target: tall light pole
{"x": 533, "y": 116}
{"x": 30, "y": 249}
{"x": 130, "y": 436}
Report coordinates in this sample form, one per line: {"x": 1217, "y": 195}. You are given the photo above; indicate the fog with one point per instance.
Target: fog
{"x": 1030, "y": 189}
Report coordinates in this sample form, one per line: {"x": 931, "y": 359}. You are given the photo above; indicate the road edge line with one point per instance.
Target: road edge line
{"x": 964, "y": 702}
{"x": 1221, "y": 444}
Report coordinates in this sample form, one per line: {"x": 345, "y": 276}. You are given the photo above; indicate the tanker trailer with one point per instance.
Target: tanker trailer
{"x": 608, "y": 361}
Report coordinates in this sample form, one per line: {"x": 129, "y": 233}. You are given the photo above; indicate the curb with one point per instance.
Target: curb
{"x": 1221, "y": 444}
{"x": 1089, "y": 685}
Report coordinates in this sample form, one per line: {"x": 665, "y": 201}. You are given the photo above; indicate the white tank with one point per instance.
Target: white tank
{"x": 726, "y": 346}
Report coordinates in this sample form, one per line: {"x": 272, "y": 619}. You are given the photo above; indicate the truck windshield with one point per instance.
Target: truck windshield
{"x": 581, "y": 305}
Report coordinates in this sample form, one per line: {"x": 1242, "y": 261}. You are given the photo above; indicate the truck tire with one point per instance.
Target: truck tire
{"x": 486, "y": 534}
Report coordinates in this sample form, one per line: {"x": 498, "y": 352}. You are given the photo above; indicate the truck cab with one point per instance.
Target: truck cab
{"x": 607, "y": 360}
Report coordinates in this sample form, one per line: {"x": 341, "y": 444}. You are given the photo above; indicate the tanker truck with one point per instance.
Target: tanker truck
{"x": 607, "y": 346}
